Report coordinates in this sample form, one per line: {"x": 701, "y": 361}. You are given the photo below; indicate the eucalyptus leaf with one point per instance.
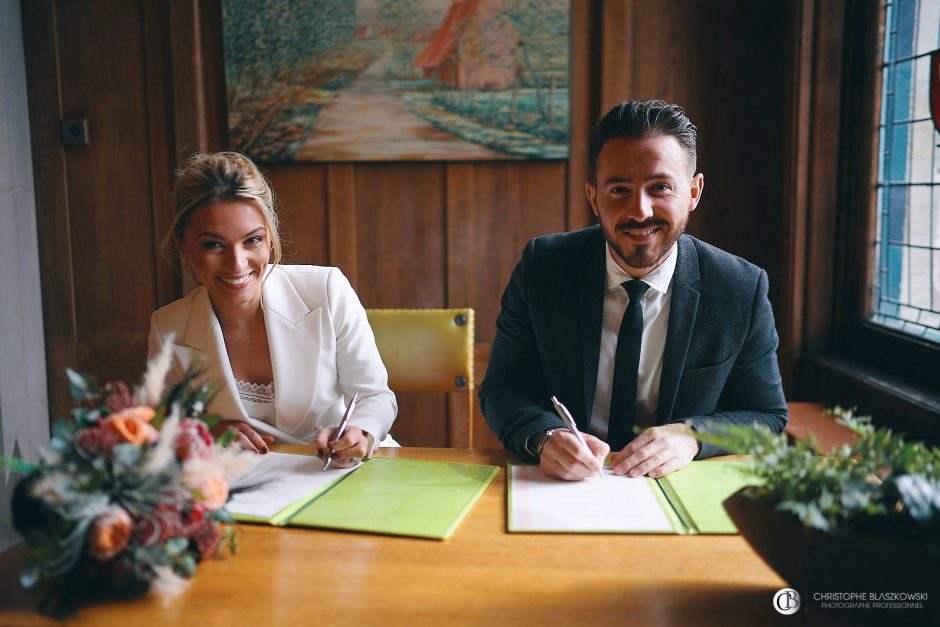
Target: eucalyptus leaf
{"x": 856, "y": 495}
{"x": 921, "y": 496}
{"x": 186, "y": 565}
{"x": 226, "y": 438}
{"x": 210, "y": 421}
{"x": 222, "y": 515}
{"x": 126, "y": 454}
{"x": 175, "y": 546}
{"x": 31, "y": 574}
{"x": 159, "y": 417}
{"x": 17, "y": 465}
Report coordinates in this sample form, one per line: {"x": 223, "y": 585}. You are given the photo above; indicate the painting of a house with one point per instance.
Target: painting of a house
{"x": 330, "y": 80}
{"x": 472, "y": 48}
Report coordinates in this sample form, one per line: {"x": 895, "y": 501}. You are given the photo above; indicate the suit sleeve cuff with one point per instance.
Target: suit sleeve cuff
{"x": 706, "y": 449}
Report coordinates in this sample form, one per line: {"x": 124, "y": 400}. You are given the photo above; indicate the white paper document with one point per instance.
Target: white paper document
{"x": 611, "y": 504}
{"x": 279, "y": 436}
{"x": 279, "y": 480}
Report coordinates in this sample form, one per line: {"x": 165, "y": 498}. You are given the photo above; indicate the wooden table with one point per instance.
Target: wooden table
{"x": 481, "y": 576}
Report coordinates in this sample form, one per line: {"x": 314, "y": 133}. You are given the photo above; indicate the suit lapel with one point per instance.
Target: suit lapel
{"x": 294, "y": 341}
{"x": 204, "y": 339}
{"x": 592, "y": 280}
{"x": 682, "y": 312}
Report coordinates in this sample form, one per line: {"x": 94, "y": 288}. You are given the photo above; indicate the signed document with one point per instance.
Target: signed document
{"x": 279, "y": 482}
{"x": 688, "y": 501}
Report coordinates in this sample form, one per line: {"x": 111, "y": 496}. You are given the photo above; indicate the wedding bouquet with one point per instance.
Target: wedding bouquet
{"x": 130, "y": 495}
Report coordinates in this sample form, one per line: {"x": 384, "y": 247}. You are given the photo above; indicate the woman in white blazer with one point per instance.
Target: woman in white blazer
{"x": 289, "y": 345}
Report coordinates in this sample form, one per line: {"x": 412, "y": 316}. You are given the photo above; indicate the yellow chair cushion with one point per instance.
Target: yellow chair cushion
{"x": 425, "y": 350}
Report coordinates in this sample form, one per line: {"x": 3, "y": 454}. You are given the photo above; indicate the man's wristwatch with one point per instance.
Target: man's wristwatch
{"x": 535, "y": 442}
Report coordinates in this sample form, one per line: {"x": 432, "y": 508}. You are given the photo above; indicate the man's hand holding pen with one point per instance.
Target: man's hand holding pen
{"x": 564, "y": 457}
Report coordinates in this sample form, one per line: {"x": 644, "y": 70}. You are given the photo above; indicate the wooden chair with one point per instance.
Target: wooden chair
{"x": 430, "y": 350}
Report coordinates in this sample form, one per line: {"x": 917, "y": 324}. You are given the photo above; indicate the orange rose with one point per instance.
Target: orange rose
{"x": 109, "y": 534}
{"x": 139, "y": 412}
{"x": 133, "y": 425}
{"x": 214, "y": 492}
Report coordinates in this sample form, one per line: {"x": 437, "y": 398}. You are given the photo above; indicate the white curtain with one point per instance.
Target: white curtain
{"x": 24, "y": 415}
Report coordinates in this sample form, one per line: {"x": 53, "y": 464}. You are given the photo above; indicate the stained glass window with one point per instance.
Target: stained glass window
{"x": 906, "y": 286}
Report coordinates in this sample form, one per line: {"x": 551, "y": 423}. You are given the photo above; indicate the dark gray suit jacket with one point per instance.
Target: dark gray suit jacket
{"x": 719, "y": 362}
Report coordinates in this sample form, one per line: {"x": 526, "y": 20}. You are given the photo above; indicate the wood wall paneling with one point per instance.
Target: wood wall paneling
{"x": 400, "y": 247}
{"x": 343, "y": 219}
{"x": 493, "y": 209}
{"x": 796, "y": 175}
{"x": 583, "y": 74}
{"x": 190, "y": 106}
{"x": 400, "y": 238}
{"x": 300, "y": 190}
{"x": 824, "y": 170}
{"x": 616, "y": 54}
{"x": 159, "y": 119}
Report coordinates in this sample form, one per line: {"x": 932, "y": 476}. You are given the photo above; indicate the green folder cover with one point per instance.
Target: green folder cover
{"x": 696, "y": 493}
{"x": 689, "y": 502}
{"x": 404, "y": 497}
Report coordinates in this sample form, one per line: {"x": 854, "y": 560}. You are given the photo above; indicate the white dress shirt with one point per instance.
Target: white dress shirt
{"x": 655, "y": 306}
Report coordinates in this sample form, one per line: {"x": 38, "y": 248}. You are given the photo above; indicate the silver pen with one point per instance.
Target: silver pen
{"x": 342, "y": 427}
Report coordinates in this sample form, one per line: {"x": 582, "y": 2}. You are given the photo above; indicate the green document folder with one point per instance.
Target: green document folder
{"x": 696, "y": 494}
{"x": 688, "y": 501}
{"x": 404, "y": 497}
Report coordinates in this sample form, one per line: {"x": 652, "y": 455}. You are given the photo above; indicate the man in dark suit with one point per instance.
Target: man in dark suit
{"x": 631, "y": 323}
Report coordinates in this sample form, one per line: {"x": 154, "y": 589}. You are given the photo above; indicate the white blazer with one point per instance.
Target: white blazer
{"x": 322, "y": 352}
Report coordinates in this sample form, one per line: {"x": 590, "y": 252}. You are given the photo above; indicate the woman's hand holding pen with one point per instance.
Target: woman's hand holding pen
{"x": 564, "y": 457}
{"x": 246, "y": 438}
{"x": 346, "y": 451}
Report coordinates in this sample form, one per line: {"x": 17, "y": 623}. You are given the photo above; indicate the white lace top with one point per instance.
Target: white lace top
{"x": 258, "y": 399}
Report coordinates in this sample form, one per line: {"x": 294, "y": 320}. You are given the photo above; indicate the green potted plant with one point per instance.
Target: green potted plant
{"x": 866, "y": 518}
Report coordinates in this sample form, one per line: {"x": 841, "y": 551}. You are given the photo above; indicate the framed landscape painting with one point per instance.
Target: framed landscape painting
{"x": 380, "y": 80}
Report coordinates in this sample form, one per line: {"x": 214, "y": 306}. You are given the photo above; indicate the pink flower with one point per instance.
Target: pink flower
{"x": 214, "y": 492}
{"x": 165, "y": 521}
{"x": 109, "y": 534}
{"x": 96, "y": 441}
{"x": 193, "y": 440}
{"x": 206, "y": 536}
{"x": 117, "y": 396}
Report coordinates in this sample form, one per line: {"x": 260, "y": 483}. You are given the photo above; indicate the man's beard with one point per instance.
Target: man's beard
{"x": 646, "y": 255}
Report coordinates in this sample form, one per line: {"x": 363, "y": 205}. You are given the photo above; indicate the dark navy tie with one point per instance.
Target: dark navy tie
{"x": 626, "y": 367}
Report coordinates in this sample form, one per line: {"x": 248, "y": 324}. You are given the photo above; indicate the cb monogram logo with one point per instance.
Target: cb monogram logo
{"x": 787, "y": 601}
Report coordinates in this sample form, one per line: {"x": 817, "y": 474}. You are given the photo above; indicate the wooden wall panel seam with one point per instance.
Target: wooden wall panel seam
{"x": 792, "y": 320}
{"x": 342, "y": 219}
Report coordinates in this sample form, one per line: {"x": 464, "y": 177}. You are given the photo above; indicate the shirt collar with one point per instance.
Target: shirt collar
{"x": 659, "y": 279}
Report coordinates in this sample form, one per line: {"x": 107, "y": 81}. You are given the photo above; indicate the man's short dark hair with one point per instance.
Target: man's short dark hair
{"x": 640, "y": 119}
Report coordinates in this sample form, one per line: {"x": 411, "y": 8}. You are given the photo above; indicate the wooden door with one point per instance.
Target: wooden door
{"x": 102, "y": 206}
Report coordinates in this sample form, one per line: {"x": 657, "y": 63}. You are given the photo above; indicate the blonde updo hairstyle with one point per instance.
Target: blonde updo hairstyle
{"x": 222, "y": 176}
